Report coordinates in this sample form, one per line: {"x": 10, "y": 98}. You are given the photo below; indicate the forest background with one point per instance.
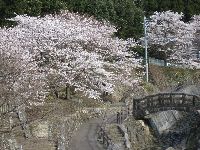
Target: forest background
{"x": 127, "y": 15}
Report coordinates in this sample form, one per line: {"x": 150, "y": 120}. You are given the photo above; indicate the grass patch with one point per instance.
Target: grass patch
{"x": 149, "y": 87}
{"x": 164, "y": 77}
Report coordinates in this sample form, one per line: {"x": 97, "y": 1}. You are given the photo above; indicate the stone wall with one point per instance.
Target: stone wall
{"x": 61, "y": 129}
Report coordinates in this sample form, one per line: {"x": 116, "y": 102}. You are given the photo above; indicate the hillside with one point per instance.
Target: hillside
{"x": 65, "y": 62}
{"x": 172, "y": 78}
{"x": 53, "y": 67}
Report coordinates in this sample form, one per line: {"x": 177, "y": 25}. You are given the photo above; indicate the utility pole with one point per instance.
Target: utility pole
{"x": 146, "y": 53}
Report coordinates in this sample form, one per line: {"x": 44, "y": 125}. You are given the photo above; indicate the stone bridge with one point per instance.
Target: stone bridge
{"x": 165, "y": 101}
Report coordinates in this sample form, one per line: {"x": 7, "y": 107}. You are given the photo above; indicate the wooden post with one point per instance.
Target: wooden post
{"x": 118, "y": 117}
{"x": 159, "y": 100}
{"x": 67, "y": 92}
{"x": 128, "y": 113}
{"x": 193, "y": 101}
{"x": 103, "y": 137}
{"x": 121, "y": 117}
{"x": 183, "y": 98}
{"x": 171, "y": 99}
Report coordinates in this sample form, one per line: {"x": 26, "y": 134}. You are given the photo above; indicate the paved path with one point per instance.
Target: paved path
{"x": 85, "y": 138}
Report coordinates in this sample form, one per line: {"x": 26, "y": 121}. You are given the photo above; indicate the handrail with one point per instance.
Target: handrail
{"x": 172, "y": 93}
{"x": 165, "y": 101}
{"x": 106, "y": 140}
{"x": 102, "y": 134}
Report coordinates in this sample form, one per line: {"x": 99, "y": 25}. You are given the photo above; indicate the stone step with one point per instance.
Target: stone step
{"x": 116, "y": 136}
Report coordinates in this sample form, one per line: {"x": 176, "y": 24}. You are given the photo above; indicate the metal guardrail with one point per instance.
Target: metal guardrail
{"x": 158, "y": 62}
{"x": 107, "y": 142}
{"x": 103, "y": 137}
{"x": 161, "y": 62}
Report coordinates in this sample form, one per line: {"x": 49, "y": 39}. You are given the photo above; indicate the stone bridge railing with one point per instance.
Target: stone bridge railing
{"x": 165, "y": 101}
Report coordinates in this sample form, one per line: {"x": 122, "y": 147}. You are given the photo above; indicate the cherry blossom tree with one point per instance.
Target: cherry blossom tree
{"x": 20, "y": 80}
{"x": 21, "y": 86}
{"x": 48, "y": 53}
{"x": 171, "y": 35}
{"x": 196, "y": 42}
{"x": 73, "y": 51}
{"x": 196, "y": 24}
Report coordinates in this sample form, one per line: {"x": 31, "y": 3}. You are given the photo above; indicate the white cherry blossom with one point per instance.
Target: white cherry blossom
{"x": 69, "y": 49}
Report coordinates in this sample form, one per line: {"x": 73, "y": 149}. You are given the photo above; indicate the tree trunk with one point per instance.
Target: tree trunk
{"x": 165, "y": 59}
{"x": 67, "y": 92}
{"x": 56, "y": 93}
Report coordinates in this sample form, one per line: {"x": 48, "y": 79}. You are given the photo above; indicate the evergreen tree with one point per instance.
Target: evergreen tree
{"x": 129, "y": 19}
{"x": 124, "y": 14}
{"x": 9, "y": 8}
{"x": 188, "y": 7}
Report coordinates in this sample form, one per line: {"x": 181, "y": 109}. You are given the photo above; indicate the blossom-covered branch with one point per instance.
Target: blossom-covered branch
{"x": 74, "y": 50}
{"x": 171, "y": 35}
